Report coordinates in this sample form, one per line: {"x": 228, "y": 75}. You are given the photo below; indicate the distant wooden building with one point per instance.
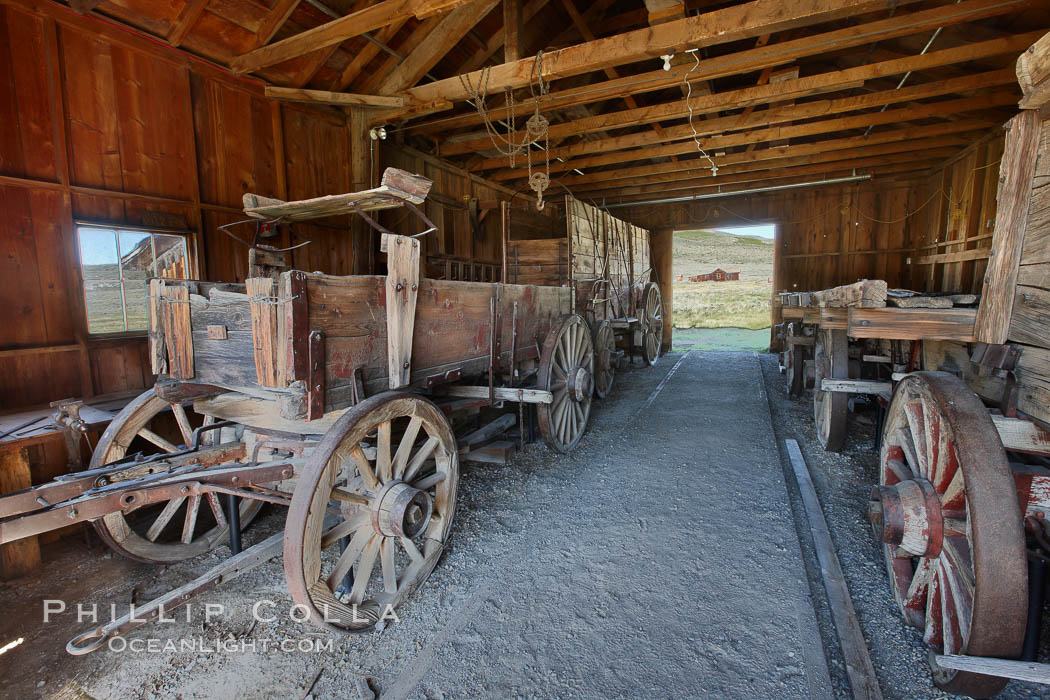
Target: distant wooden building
{"x": 718, "y": 275}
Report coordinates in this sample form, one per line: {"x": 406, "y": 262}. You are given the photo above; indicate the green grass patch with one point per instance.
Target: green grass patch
{"x": 738, "y": 304}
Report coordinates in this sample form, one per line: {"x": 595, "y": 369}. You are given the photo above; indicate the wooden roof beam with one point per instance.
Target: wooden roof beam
{"x": 612, "y": 149}
{"x": 898, "y": 170}
{"x": 759, "y": 58}
{"x": 497, "y": 40}
{"x": 931, "y": 156}
{"x": 188, "y": 16}
{"x": 449, "y": 31}
{"x": 339, "y": 30}
{"x": 341, "y": 99}
{"x": 821, "y": 151}
{"x": 718, "y": 27}
{"x": 825, "y": 126}
{"x": 772, "y": 92}
{"x": 830, "y": 161}
{"x": 910, "y": 161}
{"x": 611, "y": 73}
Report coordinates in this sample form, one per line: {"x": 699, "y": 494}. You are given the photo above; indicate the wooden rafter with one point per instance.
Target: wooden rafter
{"x": 370, "y": 81}
{"x": 943, "y": 145}
{"x": 496, "y": 40}
{"x": 775, "y": 92}
{"x": 187, "y": 17}
{"x": 610, "y": 72}
{"x": 761, "y": 57}
{"x": 613, "y": 147}
{"x": 947, "y": 108}
{"x": 343, "y": 99}
{"x": 274, "y": 20}
{"x": 860, "y": 146}
{"x": 450, "y": 30}
{"x": 733, "y": 23}
{"x": 339, "y": 30}
{"x": 364, "y": 55}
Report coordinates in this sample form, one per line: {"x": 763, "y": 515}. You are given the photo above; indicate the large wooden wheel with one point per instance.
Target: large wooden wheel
{"x": 604, "y": 359}
{"x": 178, "y": 529}
{"x": 567, "y": 371}
{"x": 652, "y": 320}
{"x": 830, "y": 361}
{"x": 946, "y": 511}
{"x": 384, "y": 476}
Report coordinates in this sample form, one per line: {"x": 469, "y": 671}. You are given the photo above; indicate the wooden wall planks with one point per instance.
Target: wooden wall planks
{"x": 103, "y": 126}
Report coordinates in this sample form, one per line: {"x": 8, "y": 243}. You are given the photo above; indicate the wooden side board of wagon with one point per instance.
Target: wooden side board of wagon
{"x": 852, "y": 340}
{"x": 606, "y": 262}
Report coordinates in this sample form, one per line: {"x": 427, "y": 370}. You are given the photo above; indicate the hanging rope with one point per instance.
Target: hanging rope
{"x": 537, "y": 126}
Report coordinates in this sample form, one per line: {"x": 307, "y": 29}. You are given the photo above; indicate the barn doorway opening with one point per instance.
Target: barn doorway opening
{"x": 723, "y": 281}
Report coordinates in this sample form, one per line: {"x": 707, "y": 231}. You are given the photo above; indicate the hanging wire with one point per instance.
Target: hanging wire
{"x": 689, "y": 106}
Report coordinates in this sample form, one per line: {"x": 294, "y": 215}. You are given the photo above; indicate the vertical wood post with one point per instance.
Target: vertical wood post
{"x": 360, "y": 179}
{"x": 661, "y": 249}
{"x": 402, "y": 285}
{"x": 20, "y": 557}
{"x": 512, "y": 21}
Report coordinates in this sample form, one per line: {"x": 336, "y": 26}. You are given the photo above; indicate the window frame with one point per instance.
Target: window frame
{"x": 188, "y": 238}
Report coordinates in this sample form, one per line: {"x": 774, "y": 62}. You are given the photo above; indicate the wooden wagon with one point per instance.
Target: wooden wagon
{"x": 335, "y": 396}
{"x": 608, "y": 264}
{"x": 961, "y": 504}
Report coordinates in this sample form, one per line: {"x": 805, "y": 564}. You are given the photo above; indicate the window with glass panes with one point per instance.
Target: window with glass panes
{"x": 117, "y": 264}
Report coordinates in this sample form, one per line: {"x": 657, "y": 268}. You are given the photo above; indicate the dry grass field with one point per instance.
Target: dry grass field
{"x": 734, "y": 304}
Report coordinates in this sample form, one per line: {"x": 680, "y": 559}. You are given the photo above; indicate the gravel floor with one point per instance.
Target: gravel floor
{"x": 661, "y": 559}
{"x": 843, "y": 481}
{"x": 646, "y": 564}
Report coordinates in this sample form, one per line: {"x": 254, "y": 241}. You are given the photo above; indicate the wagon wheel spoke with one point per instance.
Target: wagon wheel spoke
{"x": 164, "y": 518}
{"x": 411, "y": 550}
{"x": 899, "y": 469}
{"x": 190, "y": 522}
{"x": 420, "y": 458}
{"x": 952, "y": 496}
{"x": 386, "y": 550}
{"x": 429, "y": 481}
{"x": 358, "y": 542}
{"x": 957, "y": 592}
{"x": 364, "y": 571}
{"x": 364, "y": 468}
{"x": 913, "y": 411}
{"x": 157, "y": 440}
{"x": 351, "y": 524}
{"x": 904, "y": 441}
{"x": 184, "y": 423}
{"x": 383, "y": 452}
{"x": 932, "y": 634}
{"x": 915, "y": 597}
{"x": 216, "y": 509}
{"x": 404, "y": 448}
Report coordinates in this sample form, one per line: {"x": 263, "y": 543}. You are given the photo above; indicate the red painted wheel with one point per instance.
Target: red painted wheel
{"x": 830, "y": 361}
{"x": 946, "y": 511}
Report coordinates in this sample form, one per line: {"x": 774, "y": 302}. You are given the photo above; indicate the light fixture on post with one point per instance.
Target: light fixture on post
{"x": 378, "y": 133}
{"x": 667, "y": 60}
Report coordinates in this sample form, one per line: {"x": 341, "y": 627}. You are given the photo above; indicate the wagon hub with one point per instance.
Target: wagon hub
{"x": 908, "y": 515}
{"x": 581, "y": 384}
{"x": 401, "y": 511}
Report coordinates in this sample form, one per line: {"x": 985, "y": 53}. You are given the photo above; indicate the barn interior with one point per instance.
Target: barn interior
{"x": 884, "y": 140}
